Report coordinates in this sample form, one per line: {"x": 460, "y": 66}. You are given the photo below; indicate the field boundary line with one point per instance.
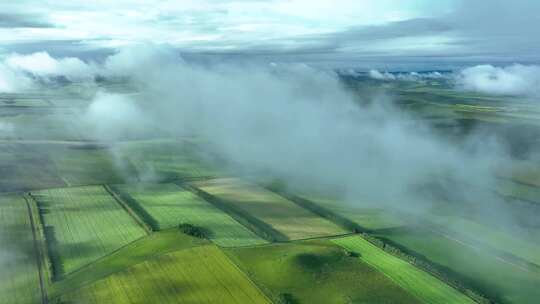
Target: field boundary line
{"x": 243, "y": 273}
{"x": 128, "y": 209}
{"x": 41, "y": 257}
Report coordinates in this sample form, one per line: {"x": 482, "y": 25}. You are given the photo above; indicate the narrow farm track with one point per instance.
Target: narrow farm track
{"x": 38, "y": 251}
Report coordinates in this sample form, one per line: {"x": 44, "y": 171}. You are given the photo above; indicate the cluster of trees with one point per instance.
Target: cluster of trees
{"x": 287, "y": 298}
{"x": 195, "y": 231}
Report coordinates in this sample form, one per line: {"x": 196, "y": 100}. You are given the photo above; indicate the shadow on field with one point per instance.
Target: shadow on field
{"x": 57, "y": 265}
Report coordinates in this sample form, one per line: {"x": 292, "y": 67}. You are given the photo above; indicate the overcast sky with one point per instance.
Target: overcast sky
{"x": 337, "y": 31}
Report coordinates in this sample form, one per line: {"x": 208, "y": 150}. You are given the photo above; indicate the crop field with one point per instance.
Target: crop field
{"x": 519, "y": 191}
{"x": 154, "y": 245}
{"x": 19, "y": 276}
{"x": 170, "y": 205}
{"x": 32, "y": 126}
{"x": 198, "y": 275}
{"x": 7, "y": 100}
{"x": 317, "y": 272}
{"x": 23, "y": 167}
{"x": 166, "y": 160}
{"x": 422, "y": 285}
{"x": 494, "y": 238}
{"x": 502, "y": 280}
{"x": 288, "y": 219}
{"x": 370, "y": 218}
{"x": 89, "y": 165}
{"x": 520, "y": 171}
{"x": 83, "y": 224}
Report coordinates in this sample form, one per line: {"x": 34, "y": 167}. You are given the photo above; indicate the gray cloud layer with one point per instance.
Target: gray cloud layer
{"x": 472, "y": 32}
{"x": 16, "y": 20}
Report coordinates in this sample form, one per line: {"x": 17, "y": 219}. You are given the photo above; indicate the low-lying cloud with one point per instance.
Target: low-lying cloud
{"x": 22, "y": 72}
{"x": 405, "y": 76}
{"x": 294, "y": 123}
{"x": 520, "y": 80}
{"x": 299, "y": 124}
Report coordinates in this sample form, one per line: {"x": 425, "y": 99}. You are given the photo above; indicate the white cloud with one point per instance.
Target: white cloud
{"x": 207, "y": 24}
{"x": 409, "y": 76}
{"x": 112, "y": 116}
{"x": 19, "y": 72}
{"x": 12, "y": 81}
{"x": 41, "y": 64}
{"x": 511, "y": 80}
{"x": 375, "y": 74}
{"x": 6, "y": 128}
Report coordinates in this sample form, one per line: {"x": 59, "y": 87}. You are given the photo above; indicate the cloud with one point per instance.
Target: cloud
{"x": 113, "y": 116}
{"x": 252, "y": 115}
{"x": 511, "y": 80}
{"x": 406, "y": 76}
{"x": 41, "y": 64}
{"x": 375, "y": 74}
{"x": 14, "y": 20}
{"x": 22, "y": 72}
{"x": 12, "y": 80}
{"x": 6, "y": 128}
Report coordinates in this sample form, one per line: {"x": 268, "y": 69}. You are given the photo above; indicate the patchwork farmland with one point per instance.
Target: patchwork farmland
{"x": 153, "y": 218}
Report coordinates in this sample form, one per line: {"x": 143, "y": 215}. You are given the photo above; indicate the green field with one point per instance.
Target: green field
{"x": 170, "y": 205}
{"x": 25, "y": 167}
{"x": 317, "y": 272}
{"x": 154, "y": 245}
{"x": 168, "y": 159}
{"x": 519, "y": 191}
{"x": 19, "y": 274}
{"x": 523, "y": 172}
{"x": 494, "y": 238}
{"x": 33, "y": 126}
{"x": 80, "y": 165}
{"x": 369, "y": 218}
{"x": 492, "y": 276}
{"x": 292, "y": 221}
{"x": 422, "y": 285}
{"x": 198, "y": 275}
{"x": 83, "y": 224}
